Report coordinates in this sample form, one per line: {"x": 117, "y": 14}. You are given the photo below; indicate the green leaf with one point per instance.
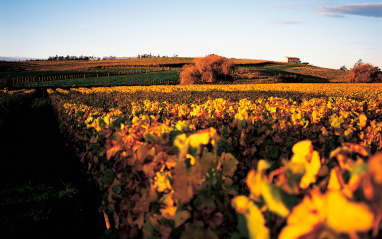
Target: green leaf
{"x": 242, "y": 223}
{"x": 181, "y": 217}
{"x": 273, "y": 196}
{"x": 359, "y": 169}
{"x": 294, "y": 172}
{"x": 175, "y": 133}
{"x": 229, "y": 163}
{"x": 243, "y": 123}
{"x": 117, "y": 189}
{"x": 274, "y": 151}
{"x": 102, "y": 123}
{"x": 193, "y": 232}
{"x": 108, "y": 177}
{"x": 263, "y": 165}
{"x": 148, "y": 229}
{"x": 117, "y": 122}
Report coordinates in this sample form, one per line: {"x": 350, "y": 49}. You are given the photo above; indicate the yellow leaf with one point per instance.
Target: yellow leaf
{"x": 303, "y": 148}
{"x": 198, "y": 139}
{"x": 112, "y": 148}
{"x": 201, "y": 138}
{"x": 307, "y": 215}
{"x": 263, "y": 165}
{"x": 254, "y": 217}
{"x": 240, "y": 204}
{"x": 315, "y": 117}
{"x": 311, "y": 170}
{"x": 375, "y": 167}
{"x": 242, "y": 138}
{"x": 179, "y": 141}
{"x": 162, "y": 181}
{"x": 254, "y": 181}
{"x": 256, "y": 178}
{"x": 303, "y": 153}
{"x": 168, "y": 212}
{"x": 346, "y": 216}
{"x": 334, "y": 183}
{"x": 362, "y": 120}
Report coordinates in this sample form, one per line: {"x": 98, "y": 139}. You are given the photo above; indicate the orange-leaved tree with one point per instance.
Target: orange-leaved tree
{"x": 209, "y": 69}
{"x": 364, "y": 73}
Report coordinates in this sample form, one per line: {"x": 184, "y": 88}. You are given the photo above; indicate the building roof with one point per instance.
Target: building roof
{"x": 292, "y": 57}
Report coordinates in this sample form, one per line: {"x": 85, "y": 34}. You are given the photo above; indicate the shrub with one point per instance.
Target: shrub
{"x": 289, "y": 78}
{"x": 364, "y": 73}
{"x": 209, "y": 69}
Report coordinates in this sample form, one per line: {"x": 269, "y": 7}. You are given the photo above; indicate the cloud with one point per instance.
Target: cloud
{"x": 329, "y": 14}
{"x": 364, "y": 9}
{"x": 286, "y": 22}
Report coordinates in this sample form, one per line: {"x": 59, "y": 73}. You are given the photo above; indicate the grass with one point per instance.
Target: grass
{"x": 36, "y": 202}
{"x": 310, "y": 74}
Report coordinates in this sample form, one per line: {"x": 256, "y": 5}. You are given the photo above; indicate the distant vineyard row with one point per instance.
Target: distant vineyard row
{"x": 178, "y": 161}
{"x": 28, "y": 81}
{"x": 150, "y": 78}
{"x": 136, "y": 62}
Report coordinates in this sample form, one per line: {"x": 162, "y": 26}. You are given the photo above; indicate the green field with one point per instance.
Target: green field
{"x": 156, "y": 78}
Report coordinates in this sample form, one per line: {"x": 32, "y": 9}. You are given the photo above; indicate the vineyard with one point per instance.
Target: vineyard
{"x": 32, "y": 74}
{"x": 231, "y": 161}
{"x": 228, "y": 160}
{"x": 92, "y": 80}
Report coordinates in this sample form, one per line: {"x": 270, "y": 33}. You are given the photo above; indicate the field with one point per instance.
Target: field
{"x": 240, "y": 160}
{"x": 36, "y": 73}
{"x": 310, "y": 74}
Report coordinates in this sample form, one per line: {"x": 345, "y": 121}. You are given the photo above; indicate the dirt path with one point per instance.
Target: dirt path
{"x": 44, "y": 192}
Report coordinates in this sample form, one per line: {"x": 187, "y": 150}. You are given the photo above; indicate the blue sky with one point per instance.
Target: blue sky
{"x": 323, "y": 33}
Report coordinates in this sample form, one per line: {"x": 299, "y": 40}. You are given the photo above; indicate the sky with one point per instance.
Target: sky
{"x": 324, "y": 33}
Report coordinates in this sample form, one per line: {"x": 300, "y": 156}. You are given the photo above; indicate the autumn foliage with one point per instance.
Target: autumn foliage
{"x": 292, "y": 160}
{"x": 209, "y": 69}
{"x": 364, "y": 73}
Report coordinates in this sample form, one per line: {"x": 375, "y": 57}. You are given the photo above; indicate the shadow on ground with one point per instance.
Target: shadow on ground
{"x": 44, "y": 192}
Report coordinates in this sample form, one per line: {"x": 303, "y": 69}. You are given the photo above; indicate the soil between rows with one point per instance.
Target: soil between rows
{"x": 44, "y": 191}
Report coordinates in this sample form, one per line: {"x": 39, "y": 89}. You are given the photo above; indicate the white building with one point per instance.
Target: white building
{"x": 290, "y": 59}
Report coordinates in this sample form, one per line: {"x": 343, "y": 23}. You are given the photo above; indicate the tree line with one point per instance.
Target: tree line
{"x": 72, "y": 58}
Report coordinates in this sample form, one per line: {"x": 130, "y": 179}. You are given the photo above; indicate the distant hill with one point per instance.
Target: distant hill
{"x": 249, "y": 68}
{"x": 274, "y": 69}
{"x": 16, "y": 58}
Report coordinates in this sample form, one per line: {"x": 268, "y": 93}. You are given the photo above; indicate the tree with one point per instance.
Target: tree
{"x": 209, "y": 69}
{"x": 358, "y": 63}
{"x": 364, "y": 73}
{"x": 343, "y": 68}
